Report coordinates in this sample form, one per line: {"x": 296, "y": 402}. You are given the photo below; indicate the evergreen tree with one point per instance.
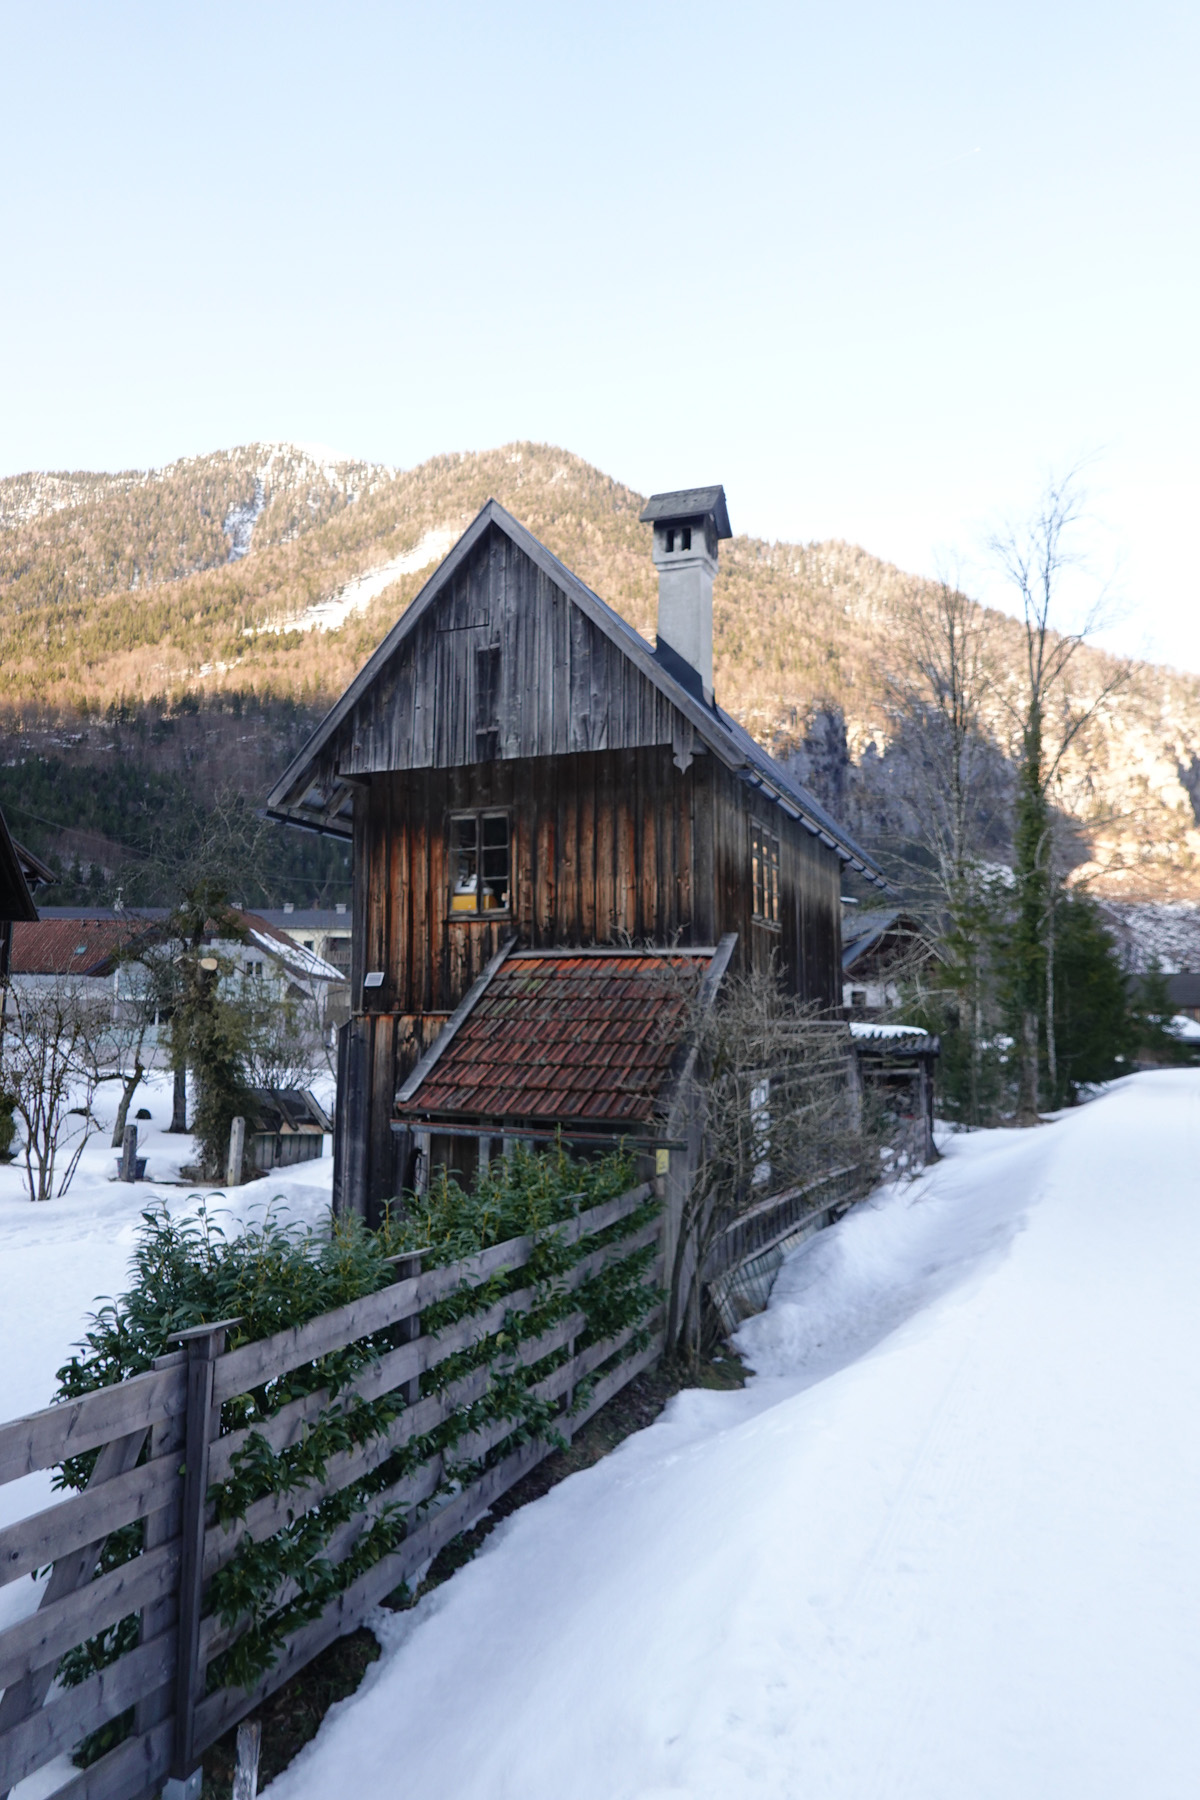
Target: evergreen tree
{"x": 1095, "y": 1026}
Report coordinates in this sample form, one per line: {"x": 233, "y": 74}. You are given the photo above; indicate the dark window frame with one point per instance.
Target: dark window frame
{"x": 481, "y": 853}
{"x": 765, "y": 882}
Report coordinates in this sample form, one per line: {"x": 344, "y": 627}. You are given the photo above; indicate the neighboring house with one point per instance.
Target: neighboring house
{"x": 881, "y": 947}
{"x": 99, "y": 946}
{"x": 323, "y": 929}
{"x": 326, "y": 931}
{"x": 520, "y": 772}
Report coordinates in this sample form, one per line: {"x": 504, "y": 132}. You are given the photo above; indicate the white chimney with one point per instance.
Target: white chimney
{"x": 688, "y": 525}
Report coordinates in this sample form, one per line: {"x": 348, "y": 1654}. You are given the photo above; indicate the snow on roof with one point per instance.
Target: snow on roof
{"x": 864, "y": 1029}
{"x": 287, "y": 951}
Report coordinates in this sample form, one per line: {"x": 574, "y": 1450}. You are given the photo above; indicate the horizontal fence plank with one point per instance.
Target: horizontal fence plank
{"x": 770, "y": 1221}
{"x": 57, "y": 1627}
{"x": 216, "y": 1637}
{"x": 85, "y": 1518}
{"x": 273, "y": 1511}
{"x": 80, "y": 1710}
{"x": 134, "y": 1769}
{"x": 286, "y": 1427}
{"x": 612, "y": 1383}
{"x": 614, "y": 1253}
{"x": 249, "y": 1366}
{"x": 216, "y": 1714}
{"x": 42, "y": 1439}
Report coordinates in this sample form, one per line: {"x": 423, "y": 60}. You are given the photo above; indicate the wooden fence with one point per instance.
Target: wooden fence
{"x": 161, "y": 1450}
{"x": 743, "y": 1259}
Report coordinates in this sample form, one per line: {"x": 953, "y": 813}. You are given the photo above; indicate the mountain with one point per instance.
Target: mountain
{"x": 193, "y": 621}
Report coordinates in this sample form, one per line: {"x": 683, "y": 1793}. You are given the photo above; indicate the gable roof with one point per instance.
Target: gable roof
{"x": 330, "y": 811}
{"x": 555, "y": 1037}
{"x": 882, "y": 928}
{"x": 87, "y": 940}
{"x": 79, "y": 946}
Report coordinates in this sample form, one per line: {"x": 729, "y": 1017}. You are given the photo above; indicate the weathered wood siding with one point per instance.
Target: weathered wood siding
{"x": 807, "y": 942}
{"x": 503, "y": 666}
{"x": 602, "y": 844}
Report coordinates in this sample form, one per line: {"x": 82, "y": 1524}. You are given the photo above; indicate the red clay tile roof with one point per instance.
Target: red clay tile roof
{"x": 71, "y": 946}
{"x": 589, "y": 1036}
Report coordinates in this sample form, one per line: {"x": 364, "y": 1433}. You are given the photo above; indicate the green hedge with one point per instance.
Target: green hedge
{"x": 275, "y": 1275}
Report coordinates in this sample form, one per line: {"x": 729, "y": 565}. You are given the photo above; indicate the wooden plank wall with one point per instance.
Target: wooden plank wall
{"x": 561, "y": 684}
{"x": 808, "y": 940}
{"x": 602, "y": 844}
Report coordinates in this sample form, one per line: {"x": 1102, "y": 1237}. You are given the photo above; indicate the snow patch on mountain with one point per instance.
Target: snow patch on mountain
{"x": 240, "y": 521}
{"x": 355, "y": 596}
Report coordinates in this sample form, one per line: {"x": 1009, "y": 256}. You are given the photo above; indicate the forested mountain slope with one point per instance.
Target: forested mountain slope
{"x": 198, "y": 617}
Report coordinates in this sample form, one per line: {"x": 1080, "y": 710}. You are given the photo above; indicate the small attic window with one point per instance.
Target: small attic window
{"x": 81, "y": 949}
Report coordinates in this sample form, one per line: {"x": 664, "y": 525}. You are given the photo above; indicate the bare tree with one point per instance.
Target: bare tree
{"x": 284, "y": 1046}
{"x": 939, "y": 701}
{"x": 139, "y": 1008}
{"x": 52, "y": 1060}
{"x": 1050, "y": 722}
{"x": 779, "y": 1105}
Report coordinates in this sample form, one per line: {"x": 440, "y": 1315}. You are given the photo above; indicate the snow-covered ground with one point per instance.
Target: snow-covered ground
{"x": 944, "y": 1546}
{"x": 59, "y": 1257}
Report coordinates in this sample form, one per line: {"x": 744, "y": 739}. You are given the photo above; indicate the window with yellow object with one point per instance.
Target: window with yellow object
{"x": 480, "y": 862}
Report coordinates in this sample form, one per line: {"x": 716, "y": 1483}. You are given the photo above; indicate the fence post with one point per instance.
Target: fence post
{"x": 129, "y": 1154}
{"x": 237, "y": 1146}
{"x": 203, "y": 1344}
{"x": 408, "y": 1329}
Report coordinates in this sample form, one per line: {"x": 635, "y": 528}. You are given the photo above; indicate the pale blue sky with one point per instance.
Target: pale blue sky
{"x": 877, "y": 268}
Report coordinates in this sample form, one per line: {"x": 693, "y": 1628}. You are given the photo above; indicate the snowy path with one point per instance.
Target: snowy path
{"x": 945, "y": 1546}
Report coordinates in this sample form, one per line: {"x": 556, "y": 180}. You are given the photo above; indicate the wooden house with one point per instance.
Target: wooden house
{"x": 521, "y": 772}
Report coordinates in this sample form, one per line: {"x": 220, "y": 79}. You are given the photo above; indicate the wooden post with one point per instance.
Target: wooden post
{"x": 159, "y": 1528}
{"x": 245, "y": 1776}
{"x": 203, "y": 1344}
{"x": 410, "y": 1328}
{"x": 424, "y": 1148}
{"x": 237, "y": 1149}
{"x": 179, "y": 1100}
{"x": 129, "y": 1154}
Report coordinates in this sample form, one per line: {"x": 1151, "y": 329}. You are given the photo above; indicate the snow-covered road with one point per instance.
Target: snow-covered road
{"x": 946, "y": 1545}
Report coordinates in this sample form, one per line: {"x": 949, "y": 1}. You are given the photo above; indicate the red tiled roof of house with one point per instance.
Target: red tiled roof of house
{"x": 71, "y": 946}
{"x": 586, "y": 1036}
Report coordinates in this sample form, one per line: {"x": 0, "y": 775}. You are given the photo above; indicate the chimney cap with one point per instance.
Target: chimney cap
{"x": 689, "y": 503}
